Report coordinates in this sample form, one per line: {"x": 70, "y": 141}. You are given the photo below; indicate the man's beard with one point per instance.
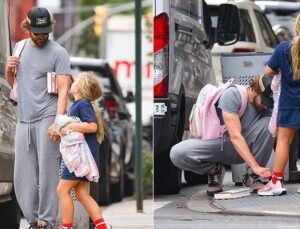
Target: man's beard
{"x": 40, "y": 41}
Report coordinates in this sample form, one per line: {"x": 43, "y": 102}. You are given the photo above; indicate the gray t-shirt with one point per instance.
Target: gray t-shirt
{"x": 231, "y": 102}
{"x": 34, "y": 103}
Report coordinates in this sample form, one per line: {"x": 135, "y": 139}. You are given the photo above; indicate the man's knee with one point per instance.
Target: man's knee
{"x": 176, "y": 155}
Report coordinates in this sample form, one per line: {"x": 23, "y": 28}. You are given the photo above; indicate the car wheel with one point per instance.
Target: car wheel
{"x": 128, "y": 186}
{"x": 117, "y": 190}
{"x": 10, "y": 214}
{"x": 195, "y": 179}
{"x": 104, "y": 167}
{"x": 167, "y": 177}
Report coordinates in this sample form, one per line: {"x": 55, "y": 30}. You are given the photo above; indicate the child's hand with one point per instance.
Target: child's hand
{"x": 63, "y": 131}
{"x": 55, "y": 137}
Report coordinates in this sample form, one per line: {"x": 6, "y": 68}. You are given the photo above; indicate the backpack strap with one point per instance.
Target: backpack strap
{"x": 20, "y": 48}
{"x": 244, "y": 96}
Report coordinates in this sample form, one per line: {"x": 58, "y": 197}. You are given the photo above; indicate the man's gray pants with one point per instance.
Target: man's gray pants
{"x": 37, "y": 164}
{"x": 199, "y": 156}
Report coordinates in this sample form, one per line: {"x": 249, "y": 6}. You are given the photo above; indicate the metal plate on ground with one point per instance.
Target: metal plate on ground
{"x": 289, "y": 204}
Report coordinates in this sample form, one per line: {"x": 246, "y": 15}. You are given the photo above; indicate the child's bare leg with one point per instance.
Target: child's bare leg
{"x": 90, "y": 205}
{"x": 284, "y": 140}
{"x": 66, "y": 203}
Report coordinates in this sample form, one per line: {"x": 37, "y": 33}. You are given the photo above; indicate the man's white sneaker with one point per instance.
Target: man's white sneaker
{"x": 271, "y": 189}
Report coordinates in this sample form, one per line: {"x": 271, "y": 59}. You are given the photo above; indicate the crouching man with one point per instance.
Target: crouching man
{"x": 247, "y": 139}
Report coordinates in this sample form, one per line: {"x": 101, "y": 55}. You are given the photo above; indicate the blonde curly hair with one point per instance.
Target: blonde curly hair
{"x": 89, "y": 88}
{"x": 295, "y": 50}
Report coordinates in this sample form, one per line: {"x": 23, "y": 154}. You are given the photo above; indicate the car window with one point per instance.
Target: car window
{"x": 246, "y": 27}
{"x": 110, "y": 83}
{"x": 188, "y": 7}
{"x": 104, "y": 81}
{"x": 266, "y": 30}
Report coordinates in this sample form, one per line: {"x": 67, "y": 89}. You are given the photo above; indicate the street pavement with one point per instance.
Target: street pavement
{"x": 123, "y": 215}
{"x": 192, "y": 208}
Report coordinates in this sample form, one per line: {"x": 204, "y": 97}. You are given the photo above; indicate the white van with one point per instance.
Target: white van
{"x": 183, "y": 37}
{"x": 256, "y": 33}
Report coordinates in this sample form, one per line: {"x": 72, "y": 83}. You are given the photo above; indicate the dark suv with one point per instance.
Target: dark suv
{"x": 9, "y": 210}
{"x": 116, "y": 152}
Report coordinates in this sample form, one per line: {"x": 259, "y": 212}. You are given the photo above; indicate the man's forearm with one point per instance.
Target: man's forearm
{"x": 63, "y": 85}
{"x": 9, "y": 75}
{"x": 62, "y": 101}
{"x": 242, "y": 148}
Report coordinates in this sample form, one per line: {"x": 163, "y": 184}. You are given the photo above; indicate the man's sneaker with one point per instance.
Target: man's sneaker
{"x": 33, "y": 226}
{"x": 252, "y": 181}
{"x": 271, "y": 189}
{"x": 215, "y": 179}
{"x": 44, "y": 225}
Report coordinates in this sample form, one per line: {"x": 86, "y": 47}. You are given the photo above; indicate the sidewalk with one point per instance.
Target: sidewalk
{"x": 123, "y": 214}
{"x": 286, "y": 205}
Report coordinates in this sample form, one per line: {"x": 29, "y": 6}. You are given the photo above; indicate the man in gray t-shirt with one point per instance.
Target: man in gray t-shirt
{"x": 247, "y": 139}
{"x": 37, "y": 157}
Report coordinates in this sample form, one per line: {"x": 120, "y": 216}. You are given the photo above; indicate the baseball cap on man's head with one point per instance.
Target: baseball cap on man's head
{"x": 39, "y": 20}
{"x": 267, "y": 93}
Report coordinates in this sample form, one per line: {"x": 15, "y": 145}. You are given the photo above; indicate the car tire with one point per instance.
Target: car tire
{"x": 117, "y": 190}
{"x": 167, "y": 177}
{"x": 104, "y": 167}
{"x": 10, "y": 214}
{"x": 128, "y": 186}
{"x": 195, "y": 179}
{"x": 164, "y": 170}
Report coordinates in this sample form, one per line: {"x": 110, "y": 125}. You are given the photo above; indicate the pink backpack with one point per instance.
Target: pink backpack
{"x": 204, "y": 120}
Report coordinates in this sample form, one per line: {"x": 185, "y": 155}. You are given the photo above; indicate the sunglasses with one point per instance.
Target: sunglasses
{"x": 38, "y": 34}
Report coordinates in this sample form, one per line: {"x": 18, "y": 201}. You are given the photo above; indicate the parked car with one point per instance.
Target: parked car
{"x": 10, "y": 213}
{"x": 281, "y": 16}
{"x": 183, "y": 37}
{"x": 256, "y": 33}
{"x": 116, "y": 152}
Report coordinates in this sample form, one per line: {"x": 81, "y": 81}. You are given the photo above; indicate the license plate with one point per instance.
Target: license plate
{"x": 160, "y": 109}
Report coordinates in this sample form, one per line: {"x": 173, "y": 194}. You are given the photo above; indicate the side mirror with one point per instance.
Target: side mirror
{"x": 129, "y": 97}
{"x": 228, "y": 30}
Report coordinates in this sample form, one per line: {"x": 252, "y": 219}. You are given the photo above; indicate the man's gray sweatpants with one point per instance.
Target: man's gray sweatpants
{"x": 37, "y": 163}
{"x": 199, "y": 156}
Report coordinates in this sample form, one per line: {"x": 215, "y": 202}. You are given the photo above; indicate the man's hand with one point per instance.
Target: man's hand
{"x": 12, "y": 63}
{"x": 52, "y": 133}
{"x": 10, "y": 70}
{"x": 262, "y": 172}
